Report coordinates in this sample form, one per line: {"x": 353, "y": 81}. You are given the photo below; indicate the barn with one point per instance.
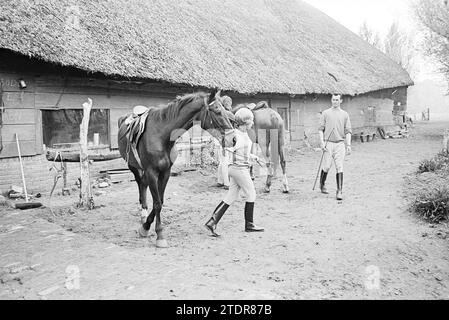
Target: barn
{"x": 54, "y": 54}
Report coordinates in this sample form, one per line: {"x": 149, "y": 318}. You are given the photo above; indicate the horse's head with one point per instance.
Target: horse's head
{"x": 214, "y": 117}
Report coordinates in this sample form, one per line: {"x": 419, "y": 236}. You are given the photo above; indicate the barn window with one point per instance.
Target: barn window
{"x": 61, "y": 128}
{"x": 370, "y": 116}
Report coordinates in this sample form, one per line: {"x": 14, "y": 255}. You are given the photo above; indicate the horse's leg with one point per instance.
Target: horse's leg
{"x": 142, "y": 194}
{"x": 162, "y": 183}
{"x": 153, "y": 182}
{"x": 285, "y": 188}
{"x": 268, "y": 158}
{"x": 254, "y": 150}
{"x": 251, "y": 167}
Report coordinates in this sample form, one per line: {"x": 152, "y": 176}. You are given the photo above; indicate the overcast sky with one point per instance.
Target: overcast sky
{"x": 379, "y": 14}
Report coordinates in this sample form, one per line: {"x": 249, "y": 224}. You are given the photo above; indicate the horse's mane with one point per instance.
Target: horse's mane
{"x": 173, "y": 108}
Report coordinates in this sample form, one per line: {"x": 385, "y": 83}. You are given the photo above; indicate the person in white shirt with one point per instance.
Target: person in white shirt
{"x": 335, "y": 128}
{"x": 240, "y": 159}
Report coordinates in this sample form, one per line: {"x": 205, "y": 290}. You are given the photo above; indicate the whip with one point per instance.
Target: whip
{"x": 321, "y": 162}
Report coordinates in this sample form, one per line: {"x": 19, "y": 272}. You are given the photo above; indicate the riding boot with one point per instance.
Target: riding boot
{"x": 219, "y": 211}
{"x": 249, "y": 213}
{"x": 323, "y": 182}
{"x": 340, "y": 186}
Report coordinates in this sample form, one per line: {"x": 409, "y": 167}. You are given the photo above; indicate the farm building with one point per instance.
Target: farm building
{"x": 54, "y": 54}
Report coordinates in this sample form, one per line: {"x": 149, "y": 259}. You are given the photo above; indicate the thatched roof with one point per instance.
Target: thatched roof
{"x": 248, "y": 46}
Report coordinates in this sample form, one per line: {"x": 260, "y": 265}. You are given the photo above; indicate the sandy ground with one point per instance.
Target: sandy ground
{"x": 367, "y": 247}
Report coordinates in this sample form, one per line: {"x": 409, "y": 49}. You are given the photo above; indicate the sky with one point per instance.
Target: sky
{"x": 379, "y": 15}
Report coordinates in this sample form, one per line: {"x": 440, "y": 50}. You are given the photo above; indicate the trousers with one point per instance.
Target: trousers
{"x": 240, "y": 179}
{"x": 336, "y": 152}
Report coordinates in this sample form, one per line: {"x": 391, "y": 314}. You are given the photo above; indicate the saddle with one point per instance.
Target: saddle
{"x": 252, "y": 106}
{"x": 136, "y": 124}
{"x": 135, "y": 127}
{"x": 261, "y": 105}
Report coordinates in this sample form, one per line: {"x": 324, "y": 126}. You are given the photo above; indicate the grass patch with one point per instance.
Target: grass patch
{"x": 438, "y": 163}
{"x": 432, "y": 205}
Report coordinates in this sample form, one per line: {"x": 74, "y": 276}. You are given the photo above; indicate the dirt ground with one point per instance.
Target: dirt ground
{"x": 367, "y": 247}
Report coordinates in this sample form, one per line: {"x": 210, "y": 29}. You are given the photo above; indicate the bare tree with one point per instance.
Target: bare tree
{"x": 434, "y": 16}
{"x": 399, "y": 46}
{"x": 370, "y": 36}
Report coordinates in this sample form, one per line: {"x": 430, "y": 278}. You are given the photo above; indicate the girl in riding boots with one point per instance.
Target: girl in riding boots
{"x": 240, "y": 160}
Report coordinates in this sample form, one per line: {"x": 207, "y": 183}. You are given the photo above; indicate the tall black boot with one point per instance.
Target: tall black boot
{"x": 249, "y": 213}
{"x": 323, "y": 182}
{"x": 340, "y": 186}
{"x": 219, "y": 211}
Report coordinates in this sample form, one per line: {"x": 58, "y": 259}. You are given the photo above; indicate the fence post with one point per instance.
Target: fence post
{"x": 191, "y": 150}
{"x": 446, "y": 141}
{"x": 86, "y": 198}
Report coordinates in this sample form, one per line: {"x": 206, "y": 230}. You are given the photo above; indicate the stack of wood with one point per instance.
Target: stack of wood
{"x": 118, "y": 175}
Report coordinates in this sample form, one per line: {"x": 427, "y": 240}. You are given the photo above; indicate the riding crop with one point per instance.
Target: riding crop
{"x": 321, "y": 161}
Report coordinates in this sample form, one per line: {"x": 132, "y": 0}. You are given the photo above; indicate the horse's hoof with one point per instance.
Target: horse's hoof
{"x": 266, "y": 190}
{"x": 143, "y": 233}
{"x": 161, "y": 243}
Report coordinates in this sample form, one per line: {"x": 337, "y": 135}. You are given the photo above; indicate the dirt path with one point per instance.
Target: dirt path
{"x": 369, "y": 246}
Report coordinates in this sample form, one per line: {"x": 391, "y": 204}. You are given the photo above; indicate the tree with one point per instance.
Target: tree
{"x": 434, "y": 17}
{"x": 370, "y": 36}
{"x": 399, "y": 46}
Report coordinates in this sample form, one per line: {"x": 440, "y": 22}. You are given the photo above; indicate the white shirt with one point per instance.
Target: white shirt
{"x": 239, "y": 154}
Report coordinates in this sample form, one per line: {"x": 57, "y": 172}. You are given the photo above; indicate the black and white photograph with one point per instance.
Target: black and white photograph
{"x": 245, "y": 151}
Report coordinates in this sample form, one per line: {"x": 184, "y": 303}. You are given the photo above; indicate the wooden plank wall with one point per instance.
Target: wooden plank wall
{"x": 18, "y": 115}
{"x": 372, "y": 109}
{"x": 70, "y": 93}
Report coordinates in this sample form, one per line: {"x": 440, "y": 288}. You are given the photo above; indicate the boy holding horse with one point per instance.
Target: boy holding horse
{"x": 240, "y": 161}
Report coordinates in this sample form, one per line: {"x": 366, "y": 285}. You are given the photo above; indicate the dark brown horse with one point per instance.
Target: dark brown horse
{"x": 156, "y": 149}
{"x": 268, "y": 132}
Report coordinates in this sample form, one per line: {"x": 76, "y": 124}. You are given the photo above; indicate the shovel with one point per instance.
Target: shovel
{"x": 27, "y": 204}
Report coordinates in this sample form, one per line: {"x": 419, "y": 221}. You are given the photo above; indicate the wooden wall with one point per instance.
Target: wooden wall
{"x": 53, "y": 88}
{"x": 369, "y": 110}
{"x": 18, "y": 115}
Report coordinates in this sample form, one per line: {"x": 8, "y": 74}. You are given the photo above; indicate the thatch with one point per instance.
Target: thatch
{"x": 248, "y": 46}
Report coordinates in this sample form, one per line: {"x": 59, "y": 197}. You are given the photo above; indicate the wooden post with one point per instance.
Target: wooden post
{"x": 86, "y": 199}
{"x": 446, "y": 141}
{"x": 428, "y": 114}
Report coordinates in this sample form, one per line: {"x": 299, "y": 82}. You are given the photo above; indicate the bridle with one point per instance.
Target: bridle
{"x": 206, "y": 113}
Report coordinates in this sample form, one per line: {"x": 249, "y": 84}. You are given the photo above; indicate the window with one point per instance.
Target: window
{"x": 370, "y": 116}
{"x": 62, "y": 127}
